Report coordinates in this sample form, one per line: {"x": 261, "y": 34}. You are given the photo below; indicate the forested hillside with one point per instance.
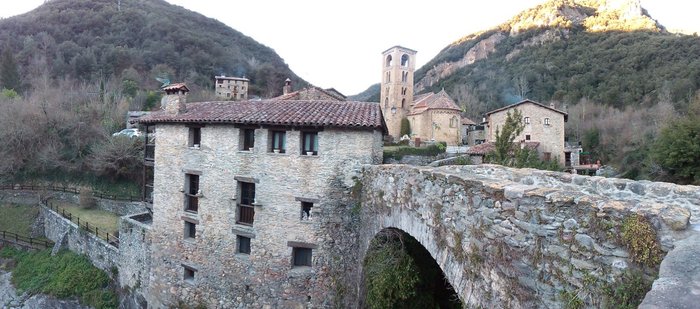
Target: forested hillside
{"x": 71, "y": 69}
{"x": 136, "y": 40}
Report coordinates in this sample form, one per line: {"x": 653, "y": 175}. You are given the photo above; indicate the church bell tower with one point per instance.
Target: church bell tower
{"x": 398, "y": 64}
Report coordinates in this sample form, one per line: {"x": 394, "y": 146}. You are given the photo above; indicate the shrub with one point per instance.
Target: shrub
{"x": 405, "y": 127}
{"x": 399, "y": 152}
{"x": 87, "y": 199}
{"x": 640, "y": 239}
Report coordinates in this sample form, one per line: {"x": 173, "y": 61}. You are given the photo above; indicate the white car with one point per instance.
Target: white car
{"x": 133, "y": 132}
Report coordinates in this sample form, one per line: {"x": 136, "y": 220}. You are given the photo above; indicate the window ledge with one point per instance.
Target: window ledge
{"x": 257, "y": 204}
{"x": 278, "y": 153}
{"x": 194, "y": 148}
{"x": 301, "y": 271}
{"x": 246, "y": 151}
{"x": 189, "y": 282}
{"x": 191, "y": 241}
{"x": 309, "y": 156}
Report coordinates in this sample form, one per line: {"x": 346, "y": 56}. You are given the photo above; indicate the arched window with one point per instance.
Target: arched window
{"x": 388, "y": 77}
{"x": 403, "y": 101}
{"x": 386, "y": 103}
{"x": 404, "y": 76}
{"x": 454, "y": 121}
{"x": 388, "y": 61}
{"x": 404, "y": 60}
{"x": 546, "y": 121}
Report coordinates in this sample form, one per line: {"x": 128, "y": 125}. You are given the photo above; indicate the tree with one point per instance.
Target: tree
{"x": 677, "y": 148}
{"x": 9, "y": 73}
{"x": 513, "y": 126}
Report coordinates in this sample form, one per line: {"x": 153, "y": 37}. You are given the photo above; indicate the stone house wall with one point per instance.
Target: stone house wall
{"x": 264, "y": 278}
{"x": 550, "y": 137}
{"x": 135, "y": 257}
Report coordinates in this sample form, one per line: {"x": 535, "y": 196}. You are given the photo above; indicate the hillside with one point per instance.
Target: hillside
{"x": 611, "y": 52}
{"x": 137, "y": 39}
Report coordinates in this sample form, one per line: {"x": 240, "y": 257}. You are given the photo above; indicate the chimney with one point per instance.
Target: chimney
{"x": 287, "y": 86}
{"x": 551, "y": 105}
{"x": 175, "y": 98}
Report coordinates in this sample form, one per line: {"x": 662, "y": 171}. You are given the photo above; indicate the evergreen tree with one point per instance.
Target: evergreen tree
{"x": 9, "y": 73}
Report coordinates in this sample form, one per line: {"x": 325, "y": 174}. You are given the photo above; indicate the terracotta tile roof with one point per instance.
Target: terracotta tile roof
{"x": 566, "y": 116}
{"x": 483, "y": 149}
{"x": 440, "y": 100}
{"x": 466, "y": 121}
{"x": 313, "y": 113}
{"x": 175, "y": 87}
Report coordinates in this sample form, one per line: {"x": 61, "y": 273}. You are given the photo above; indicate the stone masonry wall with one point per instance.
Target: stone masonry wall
{"x": 550, "y": 137}
{"x": 510, "y": 238}
{"x": 101, "y": 254}
{"x": 264, "y": 278}
{"x": 135, "y": 257}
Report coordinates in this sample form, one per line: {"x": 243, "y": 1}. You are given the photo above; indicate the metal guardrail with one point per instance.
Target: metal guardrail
{"x": 111, "y": 239}
{"x": 73, "y": 190}
{"x": 27, "y": 242}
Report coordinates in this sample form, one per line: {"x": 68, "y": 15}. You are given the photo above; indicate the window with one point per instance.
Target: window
{"x": 306, "y": 210}
{"x": 546, "y": 121}
{"x": 301, "y": 256}
{"x": 191, "y": 192}
{"x": 454, "y": 122}
{"x": 403, "y": 91}
{"x": 404, "y": 76}
{"x": 228, "y": 94}
{"x": 388, "y": 61}
{"x": 278, "y": 141}
{"x": 189, "y": 274}
{"x": 243, "y": 244}
{"x": 195, "y": 137}
{"x": 527, "y": 120}
{"x": 220, "y": 81}
{"x": 309, "y": 143}
{"x": 190, "y": 230}
{"x": 388, "y": 77}
{"x": 246, "y": 211}
{"x": 386, "y": 103}
{"x": 547, "y": 156}
{"x": 527, "y": 137}
{"x": 404, "y": 60}
{"x": 248, "y": 139}
{"x": 403, "y": 102}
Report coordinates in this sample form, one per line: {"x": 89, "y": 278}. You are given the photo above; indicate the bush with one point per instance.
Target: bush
{"x": 405, "y": 127}
{"x": 87, "y": 199}
{"x": 400, "y": 151}
{"x": 118, "y": 157}
{"x": 64, "y": 275}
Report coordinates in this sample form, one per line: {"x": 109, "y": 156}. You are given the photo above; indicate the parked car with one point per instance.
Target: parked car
{"x": 133, "y": 132}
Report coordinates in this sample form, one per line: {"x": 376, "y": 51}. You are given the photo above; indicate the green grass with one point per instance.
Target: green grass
{"x": 18, "y": 218}
{"x": 104, "y": 185}
{"x": 64, "y": 275}
{"x": 104, "y": 220}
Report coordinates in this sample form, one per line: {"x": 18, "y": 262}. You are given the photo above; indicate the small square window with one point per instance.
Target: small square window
{"x": 189, "y": 274}
{"x": 301, "y": 256}
{"x": 248, "y": 139}
{"x": 190, "y": 230}
{"x": 278, "y": 141}
{"x": 243, "y": 244}
{"x": 306, "y": 210}
{"x": 527, "y": 137}
{"x": 546, "y": 121}
{"x": 309, "y": 143}
{"x": 195, "y": 137}
{"x": 547, "y": 156}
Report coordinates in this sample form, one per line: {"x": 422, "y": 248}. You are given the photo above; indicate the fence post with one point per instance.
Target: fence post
{"x": 97, "y": 232}
{"x": 78, "y": 220}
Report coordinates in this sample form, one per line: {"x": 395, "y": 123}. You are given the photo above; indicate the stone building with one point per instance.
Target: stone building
{"x": 246, "y": 199}
{"x": 309, "y": 93}
{"x": 543, "y": 125}
{"x": 231, "y": 88}
{"x": 432, "y": 116}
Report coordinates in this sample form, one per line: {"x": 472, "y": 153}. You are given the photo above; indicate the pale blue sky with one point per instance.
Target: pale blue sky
{"x": 338, "y": 43}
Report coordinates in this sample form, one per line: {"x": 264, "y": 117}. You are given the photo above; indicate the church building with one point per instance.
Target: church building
{"x": 432, "y": 116}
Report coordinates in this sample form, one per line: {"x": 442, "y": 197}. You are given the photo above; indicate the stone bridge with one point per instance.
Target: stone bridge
{"x": 523, "y": 238}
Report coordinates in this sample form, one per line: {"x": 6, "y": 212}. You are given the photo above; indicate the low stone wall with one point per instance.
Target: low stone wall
{"x": 523, "y": 238}
{"x": 135, "y": 258}
{"x": 68, "y": 234}
{"x": 414, "y": 160}
{"x": 26, "y": 197}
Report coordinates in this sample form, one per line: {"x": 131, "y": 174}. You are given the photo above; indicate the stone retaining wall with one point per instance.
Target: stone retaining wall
{"x": 68, "y": 234}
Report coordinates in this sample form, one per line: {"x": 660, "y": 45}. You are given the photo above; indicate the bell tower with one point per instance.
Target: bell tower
{"x": 398, "y": 64}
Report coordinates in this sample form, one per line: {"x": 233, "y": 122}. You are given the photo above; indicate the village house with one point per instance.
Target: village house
{"x": 246, "y": 197}
{"x": 231, "y": 88}
{"x": 309, "y": 93}
{"x": 543, "y": 131}
{"x": 432, "y": 116}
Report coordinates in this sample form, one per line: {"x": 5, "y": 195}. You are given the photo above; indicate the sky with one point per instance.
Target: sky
{"x": 339, "y": 43}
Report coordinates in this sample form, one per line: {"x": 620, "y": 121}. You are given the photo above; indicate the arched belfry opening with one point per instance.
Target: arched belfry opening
{"x": 389, "y": 61}
{"x": 398, "y": 270}
{"x": 404, "y": 60}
